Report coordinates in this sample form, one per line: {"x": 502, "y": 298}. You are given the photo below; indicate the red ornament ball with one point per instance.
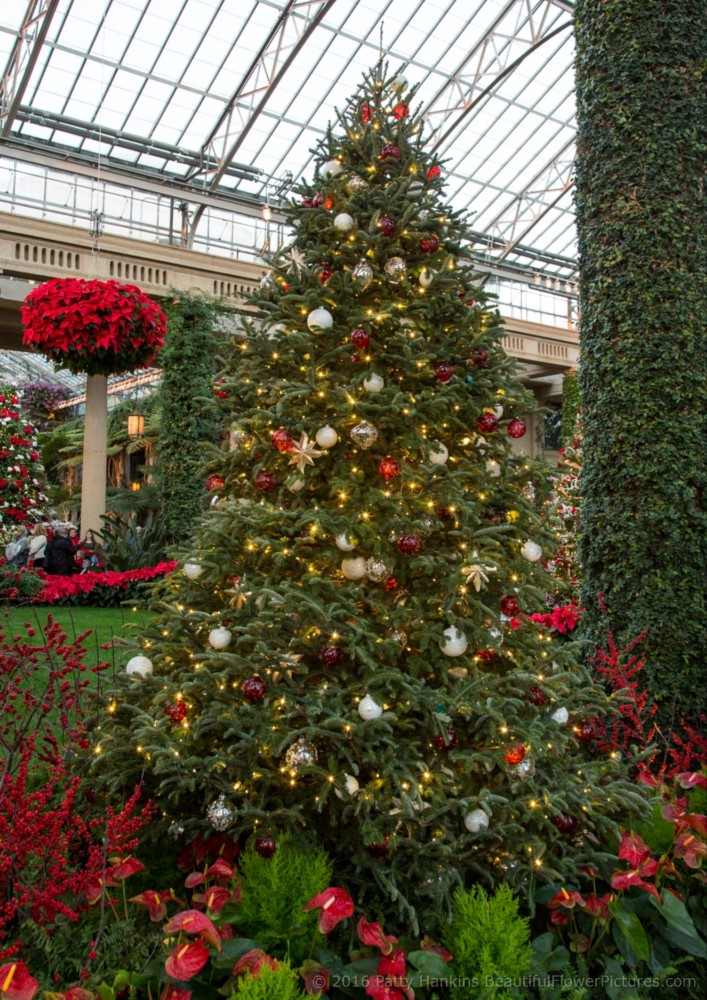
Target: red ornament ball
{"x": 391, "y": 583}
{"x": 328, "y": 203}
{"x": 434, "y": 171}
{"x": 428, "y": 244}
{"x": 265, "y": 846}
{"x": 509, "y": 605}
{"x": 444, "y": 371}
{"x": 307, "y": 202}
{"x": 214, "y": 483}
{"x": 219, "y": 393}
{"x": 282, "y": 440}
{"x": 409, "y": 544}
{"x": 388, "y": 468}
{"x": 486, "y": 654}
{"x": 390, "y": 152}
{"x": 325, "y": 272}
{"x": 265, "y": 482}
{"x": 478, "y": 356}
{"x": 379, "y": 848}
{"x": 536, "y": 696}
{"x": 447, "y": 743}
{"x": 400, "y": 111}
{"x": 565, "y": 823}
{"x": 318, "y": 200}
{"x": 516, "y": 428}
{"x": 515, "y": 754}
{"x": 367, "y": 112}
{"x": 584, "y": 732}
{"x": 360, "y": 337}
{"x": 331, "y": 656}
{"x": 387, "y": 226}
{"x": 253, "y": 689}
{"x": 176, "y": 712}
{"x": 486, "y": 423}
{"x": 444, "y": 514}
{"x": 355, "y": 359}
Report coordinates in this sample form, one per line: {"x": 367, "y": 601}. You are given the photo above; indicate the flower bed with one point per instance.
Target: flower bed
{"x": 98, "y": 588}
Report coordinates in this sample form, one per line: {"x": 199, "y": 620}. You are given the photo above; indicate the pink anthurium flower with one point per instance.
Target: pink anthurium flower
{"x": 16, "y": 982}
{"x": 186, "y": 960}
{"x": 194, "y": 922}
{"x": 336, "y": 905}
{"x": 690, "y": 779}
{"x": 690, "y": 848}
{"x": 374, "y": 936}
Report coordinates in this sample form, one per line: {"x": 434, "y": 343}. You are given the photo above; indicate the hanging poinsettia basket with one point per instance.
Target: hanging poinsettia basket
{"x": 96, "y": 327}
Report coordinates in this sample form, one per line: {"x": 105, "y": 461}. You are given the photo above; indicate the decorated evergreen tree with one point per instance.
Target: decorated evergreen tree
{"x": 345, "y": 652}
{"x": 21, "y": 472}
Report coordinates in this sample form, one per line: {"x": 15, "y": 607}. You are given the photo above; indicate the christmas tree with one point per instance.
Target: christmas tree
{"x": 21, "y": 472}
{"x": 345, "y": 653}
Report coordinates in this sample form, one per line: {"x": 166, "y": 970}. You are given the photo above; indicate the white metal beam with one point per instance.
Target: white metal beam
{"x": 23, "y": 58}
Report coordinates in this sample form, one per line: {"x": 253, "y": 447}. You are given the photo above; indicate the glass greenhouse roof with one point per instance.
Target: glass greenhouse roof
{"x": 226, "y": 98}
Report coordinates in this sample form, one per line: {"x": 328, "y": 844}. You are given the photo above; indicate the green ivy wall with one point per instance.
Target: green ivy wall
{"x": 641, "y": 223}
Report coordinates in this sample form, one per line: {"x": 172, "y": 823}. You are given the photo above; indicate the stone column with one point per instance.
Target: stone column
{"x": 93, "y": 484}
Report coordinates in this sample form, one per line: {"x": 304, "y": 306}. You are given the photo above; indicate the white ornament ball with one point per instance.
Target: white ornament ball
{"x": 345, "y": 543}
{"x": 374, "y": 383}
{"x": 296, "y": 485}
{"x": 400, "y": 83}
{"x": 192, "y": 570}
{"x": 320, "y": 319}
{"x": 332, "y": 168}
{"x": 426, "y": 279}
{"x": 326, "y": 437}
{"x": 139, "y": 665}
{"x": 369, "y": 709}
{"x": 476, "y": 820}
{"x": 416, "y": 189}
{"x": 354, "y": 569}
{"x": 344, "y": 222}
{"x": 439, "y": 453}
{"x": 560, "y": 716}
{"x": 531, "y": 551}
{"x": 455, "y": 642}
{"x": 480, "y": 443}
{"x": 352, "y": 785}
{"x": 497, "y": 411}
{"x": 219, "y": 638}
{"x": 493, "y": 469}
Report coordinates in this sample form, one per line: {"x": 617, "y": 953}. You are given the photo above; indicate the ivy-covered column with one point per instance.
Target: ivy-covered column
{"x": 640, "y": 217}
{"x": 189, "y": 418}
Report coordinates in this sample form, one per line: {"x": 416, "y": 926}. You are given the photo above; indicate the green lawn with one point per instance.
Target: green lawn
{"x": 108, "y": 625}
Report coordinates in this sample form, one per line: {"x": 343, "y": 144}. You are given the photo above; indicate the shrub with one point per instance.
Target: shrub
{"x": 270, "y": 984}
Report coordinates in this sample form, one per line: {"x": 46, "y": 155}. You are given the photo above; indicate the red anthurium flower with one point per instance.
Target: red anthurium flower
{"x": 696, "y": 822}
{"x": 194, "y": 922}
{"x": 393, "y": 965}
{"x": 123, "y": 868}
{"x": 558, "y": 918}
{"x": 155, "y": 902}
{"x": 336, "y": 905}
{"x": 76, "y": 993}
{"x": 690, "y": 848}
{"x": 176, "y": 993}
{"x": 598, "y": 906}
{"x": 16, "y": 982}
{"x": 214, "y": 899}
{"x": 624, "y": 880}
{"x": 427, "y": 944}
{"x": 690, "y": 779}
{"x": 221, "y": 869}
{"x": 315, "y": 977}
{"x": 391, "y": 982}
{"x": 565, "y": 899}
{"x": 253, "y": 962}
{"x": 196, "y": 878}
{"x": 186, "y": 960}
{"x": 375, "y": 936}
{"x": 633, "y": 849}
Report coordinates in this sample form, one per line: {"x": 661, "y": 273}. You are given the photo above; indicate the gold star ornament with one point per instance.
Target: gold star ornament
{"x": 477, "y": 573}
{"x": 303, "y": 453}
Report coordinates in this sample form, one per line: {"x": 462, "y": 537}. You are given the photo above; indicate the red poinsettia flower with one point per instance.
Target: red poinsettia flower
{"x": 252, "y": 962}
{"x": 336, "y": 905}
{"x": 315, "y": 977}
{"x": 633, "y": 849}
{"x": 16, "y": 982}
{"x": 194, "y": 922}
{"x": 186, "y": 960}
{"x": 374, "y": 936}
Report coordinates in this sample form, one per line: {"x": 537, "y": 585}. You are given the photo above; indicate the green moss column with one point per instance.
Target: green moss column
{"x": 641, "y": 223}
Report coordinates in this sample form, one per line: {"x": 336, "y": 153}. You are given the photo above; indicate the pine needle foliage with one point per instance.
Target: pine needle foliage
{"x": 489, "y": 942}
{"x": 274, "y": 892}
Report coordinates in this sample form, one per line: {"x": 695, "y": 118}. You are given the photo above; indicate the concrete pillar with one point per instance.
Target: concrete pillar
{"x": 93, "y": 485}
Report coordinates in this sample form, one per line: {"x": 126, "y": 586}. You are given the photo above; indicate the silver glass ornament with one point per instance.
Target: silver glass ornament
{"x": 398, "y": 635}
{"x": 428, "y": 524}
{"x": 176, "y": 831}
{"x": 220, "y": 815}
{"x": 362, "y": 274}
{"x": 267, "y": 286}
{"x": 423, "y": 215}
{"x": 300, "y": 754}
{"x": 497, "y": 636}
{"x": 364, "y": 435}
{"x": 524, "y": 770}
{"x": 239, "y": 437}
{"x": 376, "y": 569}
{"x": 528, "y": 491}
{"x": 395, "y": 269}
{"x": 356, "y": 184}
